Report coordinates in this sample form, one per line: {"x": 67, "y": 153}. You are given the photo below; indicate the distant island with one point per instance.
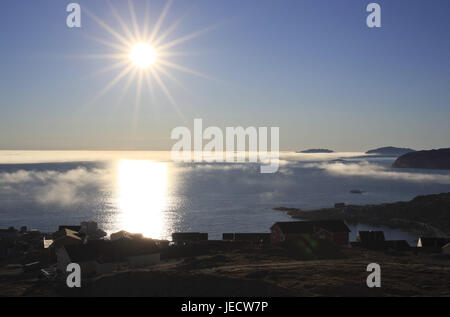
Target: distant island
{"x": 390, "y": 151}
{"x": 316, "y": 151}
{"x": 424, "y": 215}
{"x": 433, "y": 159}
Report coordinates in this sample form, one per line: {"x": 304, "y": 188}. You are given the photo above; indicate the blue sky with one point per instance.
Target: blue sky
{"x": 311, "y": 67}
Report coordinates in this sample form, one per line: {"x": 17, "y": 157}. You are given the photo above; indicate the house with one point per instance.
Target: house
{"x": 446, "y": 249}
{"x": 373, "y": 240}
{"x": 332, "y": 230}
{"x": 432, "y": 242}
{"x": 66, "y": 237}
{"x": 187, "y": 237}
{"x": 261, "y": 238}
{"x": 91, "y": 230}
{"x": 339, "y": 205}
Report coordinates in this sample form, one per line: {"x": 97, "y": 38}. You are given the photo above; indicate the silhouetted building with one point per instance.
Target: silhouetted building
{"x": 66, "y": 237}
{"x": 332, "y": 230}
{"x": 91, "y": 230}
{"x": 339, "y": 205}
{"x": 374, "y": 240}
{"x": 187, "y": 237}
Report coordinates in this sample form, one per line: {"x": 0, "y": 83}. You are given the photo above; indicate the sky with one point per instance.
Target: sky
{"x": 310, "y": 67}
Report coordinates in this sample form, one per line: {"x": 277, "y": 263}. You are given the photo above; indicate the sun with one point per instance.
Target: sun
{"x": 143, "y": 55}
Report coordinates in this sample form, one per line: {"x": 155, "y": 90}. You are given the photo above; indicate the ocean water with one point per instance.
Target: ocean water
{"x": 147, "y": 192}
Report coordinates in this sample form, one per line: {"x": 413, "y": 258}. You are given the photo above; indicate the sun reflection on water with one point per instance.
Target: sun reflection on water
{"x": 142, "y": 196}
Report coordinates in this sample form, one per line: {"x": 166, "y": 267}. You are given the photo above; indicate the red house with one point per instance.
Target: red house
{"x": 333, "y": 230}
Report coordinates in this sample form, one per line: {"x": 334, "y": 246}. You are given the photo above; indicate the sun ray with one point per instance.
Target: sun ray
{"x": 145, "y": 32}
{"x": 163, "y": 71}
{"x": 98, "y": 56}
{"x": 168, "y": 95}
{"x": 111, "y": 84}
{"x": 137, "y": 32}
{"x": 139, "y": 88}
{"x": 138, "y": 99}
{"x": 109, "y": 68}
{"x": 160, "y": 21}
{"x": 118, "y": 47}
{"x": 121, "y": 21}
{"x": 107, "y": 28}
{"x": 124, "y": 90}
{"x": 127, "y": 85}
{"x": 166, "y": 33}
{"x": 149, "y": 82}
{"x": 182, "y": 68}
{"x": 176, "y": 54}
{"x": 185, "y": 38}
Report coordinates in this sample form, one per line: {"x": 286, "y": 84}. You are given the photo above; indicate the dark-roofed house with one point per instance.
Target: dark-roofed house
{"x": 332, "y": 230}
{"x": 373, "y": 240}
{"x": 187, "y": 237}
{"x": 66, "y": 237}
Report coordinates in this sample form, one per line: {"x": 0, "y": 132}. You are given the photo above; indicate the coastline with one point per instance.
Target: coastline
{"x": 423, "y": 216}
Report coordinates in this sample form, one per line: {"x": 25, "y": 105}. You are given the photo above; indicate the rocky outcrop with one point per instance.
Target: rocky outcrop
{"x": 434, "y": 159}
{"x": 390, "y": 151}
{"x": 316, "y": 151}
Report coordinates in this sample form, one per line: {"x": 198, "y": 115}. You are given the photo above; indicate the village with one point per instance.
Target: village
{"x": 47, "y": 255}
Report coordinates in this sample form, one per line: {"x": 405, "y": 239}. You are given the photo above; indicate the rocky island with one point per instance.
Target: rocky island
{"x": 434, "y": 159}
{"x": 316, "y": 151}
{"x": 390, "y": 151}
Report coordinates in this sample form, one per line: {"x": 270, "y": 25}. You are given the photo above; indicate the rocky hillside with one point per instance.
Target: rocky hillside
{"x": 424, "y": 215}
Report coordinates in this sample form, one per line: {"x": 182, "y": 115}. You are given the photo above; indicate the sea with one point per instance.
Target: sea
{"x": 147, "y": 192}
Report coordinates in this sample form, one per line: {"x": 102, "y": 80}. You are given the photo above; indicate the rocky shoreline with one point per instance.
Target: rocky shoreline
{"x": 424, "y": 215}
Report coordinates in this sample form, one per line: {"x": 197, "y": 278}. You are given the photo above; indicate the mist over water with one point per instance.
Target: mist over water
{"x": 146, "y": 192}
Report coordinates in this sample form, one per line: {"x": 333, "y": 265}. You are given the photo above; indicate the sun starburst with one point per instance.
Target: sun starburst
{"x": 142, "y": 52}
